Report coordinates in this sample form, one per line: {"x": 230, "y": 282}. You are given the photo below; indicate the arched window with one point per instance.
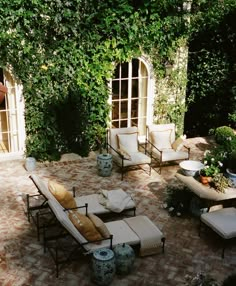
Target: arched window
{"x": 130, "y": 88}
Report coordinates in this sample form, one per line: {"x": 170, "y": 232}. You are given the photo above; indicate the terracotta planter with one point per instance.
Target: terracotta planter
{"x": 3, "y": 91}
{"x": 205, "y": 180}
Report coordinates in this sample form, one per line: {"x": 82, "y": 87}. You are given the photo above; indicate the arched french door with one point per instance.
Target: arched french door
{"x": 130, "y": 95}
{"x": 12, "y": 127}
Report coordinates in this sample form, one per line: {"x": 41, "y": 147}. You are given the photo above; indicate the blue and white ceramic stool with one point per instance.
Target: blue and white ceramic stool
{"x": 103, "y": 266}
{"x": 124, "y": 256}
{"x": 104, "y": 164}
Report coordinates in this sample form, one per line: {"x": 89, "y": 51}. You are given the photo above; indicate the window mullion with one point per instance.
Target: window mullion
{"x": 129, "y": 93}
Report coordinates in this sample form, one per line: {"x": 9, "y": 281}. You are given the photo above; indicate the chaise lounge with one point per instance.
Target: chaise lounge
{"x": 139, "y": 230}
{"x": 126, "y": 203}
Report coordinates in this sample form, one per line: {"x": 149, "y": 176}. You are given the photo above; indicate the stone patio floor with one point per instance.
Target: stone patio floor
{"x": 23, "y": 262}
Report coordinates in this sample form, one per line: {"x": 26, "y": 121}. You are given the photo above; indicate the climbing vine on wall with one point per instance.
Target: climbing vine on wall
{"x": 63, "y": 52}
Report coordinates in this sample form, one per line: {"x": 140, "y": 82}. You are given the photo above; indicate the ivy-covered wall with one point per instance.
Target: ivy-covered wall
{"x": 64, "y": 52}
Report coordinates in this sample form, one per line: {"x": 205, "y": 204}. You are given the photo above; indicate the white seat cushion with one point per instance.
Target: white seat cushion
{"x": 136, "y": 158}
{"x": 222, "y": 221}
{"x": 171, "y": 155}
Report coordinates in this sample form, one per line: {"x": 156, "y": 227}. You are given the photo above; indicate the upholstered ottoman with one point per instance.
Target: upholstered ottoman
{"x": 222, "y": 221}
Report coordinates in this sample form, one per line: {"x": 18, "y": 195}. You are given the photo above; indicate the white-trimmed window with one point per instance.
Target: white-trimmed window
{"x": 130, "y": 100}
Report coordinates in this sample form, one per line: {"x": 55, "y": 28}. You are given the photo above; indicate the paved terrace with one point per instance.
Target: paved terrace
{"x": 22, "y": 261}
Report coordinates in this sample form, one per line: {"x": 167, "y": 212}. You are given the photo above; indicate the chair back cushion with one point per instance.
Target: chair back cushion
{"x": 42, "y": 187}
{"x": 128, "y": 142}
{"x": 62, "y": 217}
{"x": 113, "y": 138}
{"x": 161, "y": 135}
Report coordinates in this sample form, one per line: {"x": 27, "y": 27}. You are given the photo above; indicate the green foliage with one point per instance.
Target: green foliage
{"x": 224, "y": 134}
{"x": 220, "y": 183}
{"x": 178, "y": 200}
{"x": 64, "y": 53}
{"x": 212, "y": 67}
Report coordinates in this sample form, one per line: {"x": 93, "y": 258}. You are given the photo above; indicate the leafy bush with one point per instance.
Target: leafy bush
{"x": 178, "y": 200}
{"x": 223, "y": 133}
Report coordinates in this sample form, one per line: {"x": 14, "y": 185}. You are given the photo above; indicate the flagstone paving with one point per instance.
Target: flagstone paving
{"x": 23, "y": 262}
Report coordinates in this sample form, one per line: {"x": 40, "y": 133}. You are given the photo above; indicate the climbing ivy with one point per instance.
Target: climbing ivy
{"x": 63, "y": 53}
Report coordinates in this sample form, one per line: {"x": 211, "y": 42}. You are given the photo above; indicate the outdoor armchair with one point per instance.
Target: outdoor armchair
{"x": 162, "y": 145}
{"x": 124, "y": 146}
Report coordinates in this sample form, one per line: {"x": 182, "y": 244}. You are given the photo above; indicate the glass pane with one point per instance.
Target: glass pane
{"x": 124, "y": 89}
{"x": 116, "y": 72}
{"x": 115, "y": 89}
{"x": 115, "y": 124}
{"x": 134, "y": 122}
{"x": 124, "y": 123}
{"x": 135, "y": 63}
{"x": 115, "y": 110}
{"x": 134, "y": 87}
{"x": 124, "y": 109}
{"x": 134, "y": 108}
{"x": 124, "y": 70}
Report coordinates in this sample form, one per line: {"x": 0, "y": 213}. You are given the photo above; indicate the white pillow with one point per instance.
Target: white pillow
{"x": 129, "y": 141}
{"x": 161, "y": 139}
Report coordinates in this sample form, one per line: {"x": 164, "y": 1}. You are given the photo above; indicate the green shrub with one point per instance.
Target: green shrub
{"x": 177, "y": 200}
{"x": 223, "y": 134}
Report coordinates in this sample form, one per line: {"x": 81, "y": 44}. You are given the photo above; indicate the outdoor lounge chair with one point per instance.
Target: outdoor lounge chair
{"x": 92, "y": 201}
{"x": 139, "y": 230}
{"x": 162, "y": 145}
{"x": 124, "y": 146}
{"x": 221, "y": 221}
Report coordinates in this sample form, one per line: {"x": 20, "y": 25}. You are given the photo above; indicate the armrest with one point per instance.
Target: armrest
{"x": 122, "y": 157}
{"x": 94, "y": 241}
{"x": 85, "y": 206}
{"x": 149, "y": 142}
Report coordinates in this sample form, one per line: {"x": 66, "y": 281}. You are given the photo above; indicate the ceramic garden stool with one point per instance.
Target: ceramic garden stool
{"x": 103, "y": 266}
{"x": 30, "y": 164}
{"x": 125, "y": 256}
{"x": 104, "y": 164}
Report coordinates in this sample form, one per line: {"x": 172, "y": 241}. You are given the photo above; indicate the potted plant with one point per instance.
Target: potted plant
{"x": 212, "y": 166}
{"x": 231, "y": 168}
